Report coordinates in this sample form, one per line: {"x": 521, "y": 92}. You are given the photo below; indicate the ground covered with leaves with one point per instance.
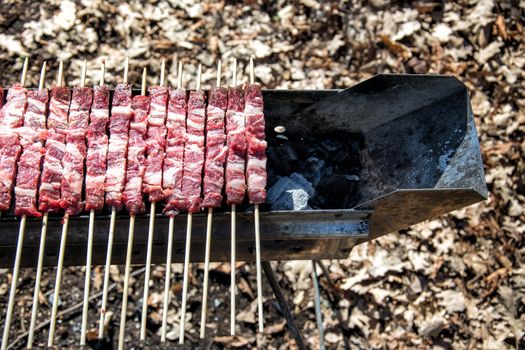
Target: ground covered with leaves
{"x": 457, "y": 282}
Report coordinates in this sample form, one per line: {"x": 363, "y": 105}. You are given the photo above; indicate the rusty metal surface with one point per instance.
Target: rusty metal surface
{"x": 287, "y": 236}
{"x": 421, "y": 155}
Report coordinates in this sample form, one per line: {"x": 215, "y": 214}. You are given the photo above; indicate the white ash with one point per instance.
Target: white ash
{"x": 290, "y": 193}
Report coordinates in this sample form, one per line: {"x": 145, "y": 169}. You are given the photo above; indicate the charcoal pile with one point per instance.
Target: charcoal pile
{"x": 313, "y": 171}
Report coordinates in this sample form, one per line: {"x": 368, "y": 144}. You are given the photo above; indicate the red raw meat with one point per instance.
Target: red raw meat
{"x": 57, "y": 125}
{"x": 33, "y": 151}
{"x": 73, "y": 160}
{"x": 174, "y": 161}
{"x": 236, "y": 142}
{"x": 118, "y": 145}
{"x": 216, "y": 149}
{"x": 11, "y": 118}
{"x": 97, "y": 139}
{"x": 136, "y": 156}
{"x": 255, "y": 137}
{"x": 156, "y": 143}
{"x": 190, "y": 197}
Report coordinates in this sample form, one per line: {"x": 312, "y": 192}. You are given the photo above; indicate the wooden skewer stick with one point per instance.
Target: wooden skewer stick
{"x": 91, "y": 229}
{"x": 131, "y": 233}
{"x": 111, "y": 236}
{"x": 187, "y": 251}
{"x": 122, "y": 329}
{"x": 42, "y": 76}
{"x": 233, "y": 257}
{"x": 24, "y": 71}
{"x": 105, "y": 287}
{"x": 151, "y": 229}
{"x": 62, "y": 252}
{"x": 58, "y": 280}
{"x": 257, "y": 241}
{"x": 18, "y": 256}
{"x": 167, "y": 281}
{"x": 41, "y": 249}
{"x": 204, "y": 309}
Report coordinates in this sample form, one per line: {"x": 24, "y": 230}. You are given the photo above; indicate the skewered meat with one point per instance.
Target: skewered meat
{"x": 182, "y": 164}
{"x": 11, "y": 117}
{"x": 216, "y": 150}
{"x": 190, "y": 196}
{"x": 118, "y": 145}
{"x": 29, "y": 164}
{"x": 255, "y": 136}
{"x": 136, "y": 156}
{"x": 176, "y": 125}
{"x": 12, "y": 113}
{"x": 194, "y": 151}
{"x": 57, "y": 125}
{"x": 97, "y": 139}
{"x": 156, "y": 143}
{"x": 236, "y": 141}
{"x": 73, "y": 160}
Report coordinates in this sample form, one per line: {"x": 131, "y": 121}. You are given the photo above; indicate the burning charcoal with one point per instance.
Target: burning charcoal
{"x": 290, "y": 193}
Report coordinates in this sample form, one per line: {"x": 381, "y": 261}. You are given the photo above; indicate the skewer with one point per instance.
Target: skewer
{"x": 91, "y": 229}
{"x": 257, "y": 241}
{"x": 187, "y": 251}
{"x": 169, "y": 251}
{"x": 63, "y": 240}
{"x": 208, "y": 244}
{"x": 122, "y": 328}
{"x": 18, "y": 256}
{"x": 111, "y": 235}
{"x": 131, "y": 233}
{"x": 233, "y": 239}
{"x": 43, "y": 234}
{"x": 150, "y": 243}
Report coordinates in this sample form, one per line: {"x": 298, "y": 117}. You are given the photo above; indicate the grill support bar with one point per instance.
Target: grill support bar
{"x": 285, "y": 310}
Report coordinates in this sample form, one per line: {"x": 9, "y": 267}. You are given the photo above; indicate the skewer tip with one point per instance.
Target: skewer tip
{"x": 60, "y": 76}
{"x": 162, "y": 72}
{"x": 219, "y": 68}
{"x": 143, "y": 85}
{"x": 252, "y": 76}
{"x": 24, "y": 71}
{"x": 126, "y": 69}
{"x": 179, "y": 76}
{"x": 199, "y": 76}
{"x": 234, "y": 71}
{"x": 42, "y": 76}
{"x": 102, "y": 71}
{"x": 83, "y": 74}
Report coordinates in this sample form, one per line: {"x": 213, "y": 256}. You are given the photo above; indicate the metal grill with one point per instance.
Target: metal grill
{"x": 419, "y": 158}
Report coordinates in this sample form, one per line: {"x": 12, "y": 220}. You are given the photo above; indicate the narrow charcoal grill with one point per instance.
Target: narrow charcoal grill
{"x": 380, "y": 156}
{"x": 416, "y": 156}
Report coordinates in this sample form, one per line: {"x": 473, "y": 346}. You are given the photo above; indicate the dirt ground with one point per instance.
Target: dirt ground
{"x": 456, "y": 282}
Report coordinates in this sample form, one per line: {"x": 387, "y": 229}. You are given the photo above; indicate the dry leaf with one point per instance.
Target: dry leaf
{"x": 234, "y": 341}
